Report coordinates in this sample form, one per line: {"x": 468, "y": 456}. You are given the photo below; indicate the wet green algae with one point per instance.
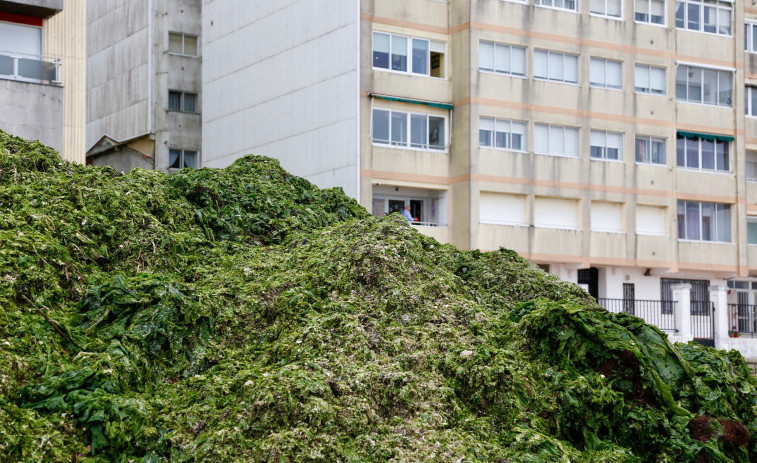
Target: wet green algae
{"x": 244, "y": 315}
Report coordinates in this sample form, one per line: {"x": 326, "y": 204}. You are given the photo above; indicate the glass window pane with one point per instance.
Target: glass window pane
{"x": 556, "y": 66}
{"x": 725, "y": 88}
{"x": 751, "y": 228}
{"x": 571, "y": 141}
{"x": 174, "y": 101}
{"x": 613, "y": 8}
{"x": 681, "y": 220}
{"x": 486, "y": 131}
{"x": 190, "y": 159}
{"x": 518, "y": 61}
{"x": 754, "y": 38}
{"x": 399, "y": 53}
{"x": 614, "y": 75}
{"x": 436, "y": 136}
{"x": 692, "y": 153}
{"x": 658, "y": 152}
{"x": 614, "y": 146}
{"x": 680, "y": 152}
{"x": 540, "y": 63}
{"x": 541, "y": 138}
{"x": 420, "y": 56}
{"x": 695, "y": 84}
{"x": 722, "y": 156}
{"x": 399, "y": 128}
{"x": 658, "y": 11}
{"x": 519, "y": 141}
{"x": 641, "y": 10}
{"x": 693, "y": 16}
{"x": 175, "y": 43}
{"x": 657, "y": 80}
{"x": 502, "y": 58}
{"x": 642, "y": 150}
{"x": 680, "y": 15}
{"x": 710, "y": 85}
{"x": 708, "y": 154}
{"x": 641, "y": 78}
{"x": 486, "y": 56}
{"x": 571, "y": 69}
{"x": 753, "y": 95}
{"x": 556, "y": 140}
{"x": 710, "y": 19}
{"x": 190, "y": 102}
{"x": 380, "y": 50}
{"x": 708, "y": 221}
{"x": 681, "y": 79}
{"x": 597, "y": 6}
{"x": 724, "y": 21}
{"x": 723, "y": 223}
{"x": 418, "y": 131}
{"x": 692, "y": 221}
{"x": 190, "y": 45}
{"x": 174, "y": 159}
{"x": 380, "y": 126}
{"x": 502, "y": 133}
{"x": 597, "y": 72}
{"x": 598, "y": 144}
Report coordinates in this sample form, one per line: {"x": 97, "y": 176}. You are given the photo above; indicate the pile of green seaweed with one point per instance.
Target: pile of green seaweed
{"x": 245, "y": 315}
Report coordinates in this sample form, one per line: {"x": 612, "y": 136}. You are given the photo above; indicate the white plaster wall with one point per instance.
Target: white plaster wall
{"x": 281, "y": 79}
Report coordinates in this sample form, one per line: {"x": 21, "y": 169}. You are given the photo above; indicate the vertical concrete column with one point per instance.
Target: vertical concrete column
{"x": 682, "y": 296}
{"x": 719, "y": 296}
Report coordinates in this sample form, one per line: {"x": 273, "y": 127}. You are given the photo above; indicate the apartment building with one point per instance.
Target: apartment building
{"x": 143, "y": 84}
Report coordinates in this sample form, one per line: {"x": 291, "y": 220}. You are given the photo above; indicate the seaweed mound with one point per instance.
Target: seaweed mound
{"x": 245, "y": 315}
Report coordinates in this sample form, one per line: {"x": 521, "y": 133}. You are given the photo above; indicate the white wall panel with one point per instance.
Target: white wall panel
{"x": 556, "y": 213}
{"x": 502, "y": 208}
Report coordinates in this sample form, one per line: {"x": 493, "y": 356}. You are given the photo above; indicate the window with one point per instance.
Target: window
{"x": 751, "y": 166}
{"x": 420, "y": 131}
{"x": 504, "y": 134}
{"x": 649, "y": 11}
{"x": 559, "y": 67}
{"x": 704, "y": 221}
{"x": 650, "y": 150}
{"x": 182, "y": 44}
{"x": 650, "y": 220}
{"x": 649, "y": 79}
{"x": 556, "y": 213}
{"x": 179, "y": 159}
{"x": 606, "y": 145}
{"x": 20, "y": 50}
{"x": 502, "y": 209}
{"x": 606, "y": 73}
{"x": 695, "y": 152}
{"x": 611, "y": 8}
{"x": 571, "y": 5}
{"x": 750, "y": 94}
{"x": 502, "y": 58}
{"x": 751, "y": 230}
{"x": 555, "y": 140}
{"x": 606, "y": 217}
{"x": 182, "y": 101}
{"x": 750, "y": 37}
{"x": 391, "y": 52}
{"x": 704, "y": 85}
{"x": 711, "y": 16}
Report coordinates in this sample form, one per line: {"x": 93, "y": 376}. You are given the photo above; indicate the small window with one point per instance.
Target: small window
{"x": 182, "y": 101}
{"x": 410, "y": 130}
{"x": 649, "y": 79}
{"x": 751, "y": 166}
{"x": 391, "y": 52}
{"x": 606, "y": 145}
{"x": 704, "y": 85}
{"x": 650, "y": 150}
{"x": 502, "y": 58}
{"x": 555, "y": 140}
{"x": 182, "y": 44}
{"x": 555, "y": 66}
{"x": 606, "y": 73}
{"x": 502, "y": 134}
{"x": 610, "y": 8}
{"x": 649, "y": 11}
{"x": 750, "y": 103}
{"x": 179, "y": 159}
{"x": 571, "y": 5}
{"x": 751, "y": 229}
{"x": 704, "y": 221}
{"x": 750, "y": 37}
{"x": 710, "y": 16}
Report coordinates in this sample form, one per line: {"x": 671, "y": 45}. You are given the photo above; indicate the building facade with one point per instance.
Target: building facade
{"x": 143, "y": 84}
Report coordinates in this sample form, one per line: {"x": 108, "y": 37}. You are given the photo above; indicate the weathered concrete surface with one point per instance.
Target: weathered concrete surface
{"x": 32, "y": 111}
{"x": 38, "y": 8}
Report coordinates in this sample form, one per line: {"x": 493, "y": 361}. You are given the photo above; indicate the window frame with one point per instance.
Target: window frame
{"x": 649, "y": 139}
{"x": 494, "y": 70}
{"x": 408, "y": 54}
{"x": 182, "y": 151}
{"x": 748, "y": 90}
{"x": 183, "y": 44}
{"x": 649, "y": 14}
{"x": 649, "y": 68}
{"x": 408, "y": 144}
{"x": 605, "y": 15}
{"x": 524, "y": 143}
{"x": 717, "y": 6}
{"x": 682, "y": 219}
{"x": 541, "y": 4}
{"x": 563, "y": 127}
{"x": 701, "y": 70}
{"x": 604, "y": 62}
{"x": 699, "y": 156}
{"x": 750, "y": 27}
{"x": 182, "y": 102}
{"x": 750, "y": 220}
{"x": 605, "y": 148}
{"x": 563, "y": 54}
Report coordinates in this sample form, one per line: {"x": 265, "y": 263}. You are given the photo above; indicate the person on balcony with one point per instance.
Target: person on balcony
{"x": 407, "y": 214}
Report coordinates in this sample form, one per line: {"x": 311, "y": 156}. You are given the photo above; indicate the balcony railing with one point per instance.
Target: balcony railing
{"x": 743, "y": 318}
{"x": 30, "y": 68}
{"x": 658, "y": 313}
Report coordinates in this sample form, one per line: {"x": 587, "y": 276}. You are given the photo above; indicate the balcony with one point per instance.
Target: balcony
{"x": 30, "y": 68}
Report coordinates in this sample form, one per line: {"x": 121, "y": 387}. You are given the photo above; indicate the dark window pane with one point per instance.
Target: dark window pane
{"x": 174, "y": 101}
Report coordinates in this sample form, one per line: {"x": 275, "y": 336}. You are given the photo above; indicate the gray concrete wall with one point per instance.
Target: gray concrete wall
{"x": 32, "y": 111}
{"x": 123, "y": 160}
{"x": 281, "y": 79}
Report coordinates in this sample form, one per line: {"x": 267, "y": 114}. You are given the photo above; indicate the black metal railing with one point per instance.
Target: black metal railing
{"x": 702, "y": 320}
{"x": 658, "y": 313}
{"x": 742, "y": 319}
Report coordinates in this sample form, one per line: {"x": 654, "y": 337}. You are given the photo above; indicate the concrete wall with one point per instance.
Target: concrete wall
{"x": 294, "y": 96}
{"x": 32, "y": 111}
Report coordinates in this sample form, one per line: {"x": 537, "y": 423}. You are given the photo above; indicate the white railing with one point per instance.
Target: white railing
{"x": 428, "y": 224}
{"x": 30, "y": 68}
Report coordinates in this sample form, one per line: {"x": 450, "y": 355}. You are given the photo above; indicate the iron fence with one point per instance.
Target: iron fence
{"x": 658, "y": 313}
{"x": 742, "y": 319}
{"x": 702, "y": 322}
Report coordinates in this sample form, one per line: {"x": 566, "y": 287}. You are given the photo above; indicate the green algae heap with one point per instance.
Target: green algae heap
{"x": 245, "y": 315}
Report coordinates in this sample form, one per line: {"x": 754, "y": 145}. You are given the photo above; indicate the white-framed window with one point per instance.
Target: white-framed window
{"x": 180, "y": 158}
{"x": 704, "y": 85}
{"x": 751, "y": 166}
{"x": 411, "y": 55}
{"x": 750, "y": 37}
{"x": 649, "y": 79}
{"x": 21, "y": 54}
{"x": 649, "y": 11}
{"x": 710, "y": 153}
{"x": 182, "y": 101}
{"x": 606, "y": 73}
{"x": 525, "y": 2}
{"x": 502, "y": 58}
{"x": 751, "y": 229}
{"x": 182, "y": 44}
{"x": 650, "y": 220}
{"x": 750, "y": 103}
{"x": 502, "y": 134}
{"x": 570, "y": 5}
{"x": 711, "y": 16}
{"x": 555, "y": 66}
{"x": 555, "y": 140}
{"x": 607, "y": 217}
{"x": 606, "y": 145}
{"x": 704, "y": 221}
{"x": 409, "y": 130}
{"x": 502, "y": 209}
{"x": 650, "y": 150}
{"x": 556, "y": 213}
{"x": 610, "y": 8}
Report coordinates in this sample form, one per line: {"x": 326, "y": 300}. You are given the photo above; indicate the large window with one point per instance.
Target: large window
{"x": 750, "y": 37}
{"x": 410, "y": 130}
{"x": 408, "y": 54}
{"x": 555, "y": 66}
{"x": 182, "y": 44}
{"x": 709, "y": 153}
{"x": 179, "y": 158}
{"x": 704, "y": 85}
{"x": 650, "y": 150}
{"x": 750, "y": 103}
{"x": 611, "y": 8}
{"x": 555, "y": 140}
{"x": 649, "y": 11}
{"x": 501, "y": 133}
{"x": 502, "y": 58}
{"x": 606, "y": 73}
{"x": 649, "y": 79}
{"x": 20, "y": 50}
{"x": 571, "y": 5}
{"x": 182, "y": 101}
{"x": 704, "y": 221}
{"x": 711, "y": 16}
{"x": 606, "y": 145}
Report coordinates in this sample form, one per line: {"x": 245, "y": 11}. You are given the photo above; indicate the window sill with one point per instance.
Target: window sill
{"x": 541, "y": 79}
{"x": 410, "y": 74}
{"x": 752, "y": 180}
{"x": 611, "y": 232}
{"x": 728, "y": 36}
{"x": 657, "y": 235}
{"x": 183, "y": 112}
{"x": 182, "y": 54}
{"x": 408, "y": 148}
{"x": 614, "y": 89}
{"x": 557, "y": 9}
{"x": 507, "y": 224}
{"x": 493, "y": 148}
{"x": 517, "y": 76}
{"x": 605, "y": 16}
{"x": 556, "y": 227}
{"x": 680, "y": 240}
{"x": 614, "y": 161}
{"x": 709, "y": 105}
{"x": 705, "y": 171}
{"x": 636, "y": 92}
{"x": 649, "y": 23}
{"x": 566, "y": 156}
{"x": 653, "y": 164}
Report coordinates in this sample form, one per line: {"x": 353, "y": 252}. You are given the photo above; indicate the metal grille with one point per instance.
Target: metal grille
{"x": 651, "y": 311}
{"x": 702, "y": 322}
{"x": 743, "y": 318}
{"x": 699, "y": 293}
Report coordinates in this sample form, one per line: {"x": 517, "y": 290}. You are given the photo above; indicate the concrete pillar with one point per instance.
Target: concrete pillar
{"x": 719, "y": 296}
{"x": 682, "y": 295}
